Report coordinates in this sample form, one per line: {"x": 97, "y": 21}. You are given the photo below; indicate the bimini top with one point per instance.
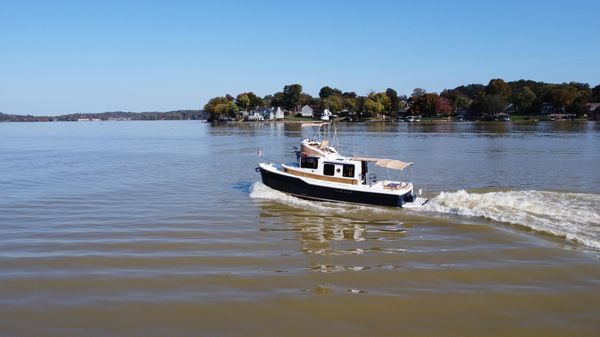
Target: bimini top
{"x": 386, "y": 163}
{"x": 392, "y": 164}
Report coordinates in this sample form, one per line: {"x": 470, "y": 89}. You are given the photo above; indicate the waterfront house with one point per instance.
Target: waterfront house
{"x": 593, "y": 111}
{"x": 265, "y": 112}
{"x": 307, "y": 111}
{"x": 278, "y": 113}
{"x": 272, "y": 113}
{"x": 254, "y": 116}
{"x": 590, "y": 107}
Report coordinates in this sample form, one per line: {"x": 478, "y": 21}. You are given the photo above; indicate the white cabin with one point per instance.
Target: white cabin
{"x": 254, "y": 116}
{"x": 279, "y": 113}
{"x": 340, "y": 170}
{"x": 307, "y": 111}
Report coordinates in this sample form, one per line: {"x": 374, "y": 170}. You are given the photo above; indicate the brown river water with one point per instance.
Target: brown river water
{"x": 163, "y": 229}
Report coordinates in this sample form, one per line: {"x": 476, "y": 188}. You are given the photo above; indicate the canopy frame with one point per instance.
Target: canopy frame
{"x": 393, "y": 164}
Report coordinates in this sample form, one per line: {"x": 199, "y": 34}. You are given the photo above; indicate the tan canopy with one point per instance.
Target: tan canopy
{"x": 392, "y": 164}
{"x": 387, "y": 163}
{"x": 367, "y": 159}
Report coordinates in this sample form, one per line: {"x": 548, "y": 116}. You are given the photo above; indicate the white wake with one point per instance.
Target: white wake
{"x": 261, "y": 191}
{"x": 574, "y": 216}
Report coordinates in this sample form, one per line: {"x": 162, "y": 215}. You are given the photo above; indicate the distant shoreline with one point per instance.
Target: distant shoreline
{"x": 109, "y": 116}
{"x": 287, "y": 121}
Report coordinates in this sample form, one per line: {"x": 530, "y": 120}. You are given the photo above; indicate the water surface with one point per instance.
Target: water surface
{"x": 162, "y": 228}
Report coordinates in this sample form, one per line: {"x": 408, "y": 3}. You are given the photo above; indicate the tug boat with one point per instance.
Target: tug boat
{"x": 321, "y": 173}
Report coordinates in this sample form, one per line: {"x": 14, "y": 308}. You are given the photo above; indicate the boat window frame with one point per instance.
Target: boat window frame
{"x": 352, "y": 171}
{"x": 326, "y": 167}
{"x": 314, "y": 166}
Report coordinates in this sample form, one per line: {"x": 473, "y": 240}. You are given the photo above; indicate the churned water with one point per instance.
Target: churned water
{"x": 574, "y": 216}
{"x": 163, "y": 228}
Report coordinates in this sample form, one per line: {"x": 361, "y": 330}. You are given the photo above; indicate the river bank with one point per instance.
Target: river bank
{"x": 513, "y": 119}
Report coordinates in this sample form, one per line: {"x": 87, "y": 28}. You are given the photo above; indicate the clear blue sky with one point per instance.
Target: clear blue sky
{"x": 60, "y": 57}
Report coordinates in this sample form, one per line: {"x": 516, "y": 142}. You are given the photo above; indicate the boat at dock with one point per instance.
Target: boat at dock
{"x": 322, "y": 173}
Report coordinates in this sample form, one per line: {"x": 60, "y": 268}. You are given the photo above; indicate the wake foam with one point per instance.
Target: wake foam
{"x": 574, "y": 216}
{"x": 261, "y": 191}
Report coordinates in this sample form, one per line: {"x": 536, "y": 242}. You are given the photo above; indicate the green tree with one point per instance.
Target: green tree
{"x": 267, "y": 100}
{"x": 328, "y": 92}
{"x": 472, "y": 91}
{"x": 584, "y": 92}
{"x": 278, "y": 100}
{"x": 222, "y": 109}
{"x": 463, "y": 102}
{"x": 383, "y": 99}
{"x": 563, "y": 96}
{"x": 333, "y": 103}
{"x": 429, "y": 100}
{"x": 218, "y": 107}
{"x": 492, "y": 104}
{"x": 373, "y": 107}
{"x": 418, "y": 92}
{"x": 522, "y": 98}
{"x": 255, "y": 101}
{"x": 292, "y": 94}
{"x": 394, "y": 100}
{"x": 595, "y": 94}
{"x": 360, "y": 103}
{"x": 497, "y": 86}
{"x": 306, "y": 99}
{"x": 350, "y": 104}
{"x": 243, "y": 101}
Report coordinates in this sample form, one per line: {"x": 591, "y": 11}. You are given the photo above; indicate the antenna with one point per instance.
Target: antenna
{"x": 335, "y": 139}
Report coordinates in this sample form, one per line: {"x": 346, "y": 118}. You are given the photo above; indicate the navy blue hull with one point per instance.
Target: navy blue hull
{"x": 300, "y": 188}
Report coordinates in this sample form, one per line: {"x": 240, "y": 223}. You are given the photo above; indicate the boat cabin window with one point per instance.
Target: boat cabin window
{"x": 309, "y": 162}
{"x": 348, "y": 171}
{"x": 328, "y": 169}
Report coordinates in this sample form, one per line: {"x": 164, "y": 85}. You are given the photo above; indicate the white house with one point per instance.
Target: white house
{"x": 271, "y": 113}
{"x": 307, "y": 111}
{"x": 254, "y": 116}
{"x": 266, "y": 113}
{"x": 278, "y": 113}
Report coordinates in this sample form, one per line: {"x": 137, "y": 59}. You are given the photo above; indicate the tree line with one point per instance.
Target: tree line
{"x": 522, "y": 97}
{"x": 145, "y": 116}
